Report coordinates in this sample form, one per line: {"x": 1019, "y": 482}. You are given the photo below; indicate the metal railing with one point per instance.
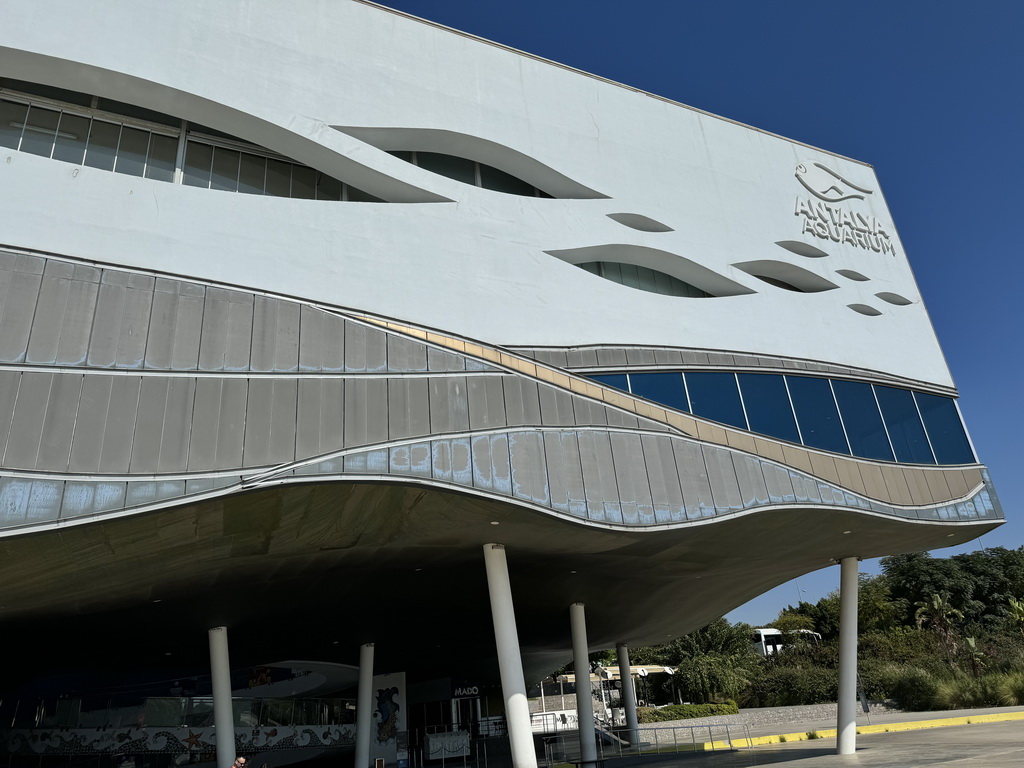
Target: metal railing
{"x": 623, "y": 742}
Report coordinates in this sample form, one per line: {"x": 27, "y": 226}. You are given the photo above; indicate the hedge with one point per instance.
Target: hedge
{"x": 685, "y": 712}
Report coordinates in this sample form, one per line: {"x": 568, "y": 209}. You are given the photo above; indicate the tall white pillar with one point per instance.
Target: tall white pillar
{"x": 628, "y": 693}
{"x": 220, "y": 680}
{"x": 364, "y": 706}
{"x": 846, "y": 726}
{"x": 510, "y": 661}
{"x": 584, "y": 697}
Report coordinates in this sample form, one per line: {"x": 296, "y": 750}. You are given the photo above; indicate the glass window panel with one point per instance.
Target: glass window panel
{"x": 499, "y": 181}
{"x": 198, "y": 159}
{"x": 862, "y": 419}
{"x": 252, "y": 174}
{"x": 594, "y": 267}
{"x": 715, "y": 396}
{"x": 225, "y": 170}
{"x": 163, "y": 151}
{"x": 661, "y": 387}
{"x": 12, "y": 118}
{"x": 458, "y": 168}
{"x": 904, "y": 424}
{"x": 611, "y": 270}
{"x": 817, "y": 414}
{"x": 132, "y": 151}
{"x": 358, "y": 196}
{"x": 630, "y": 276}
{"x": 303, "y": 182}
{"x": 402, "y": 154}
{"x": 102, "y": 149}
{"x": 945, "y": 430}
{"x": 767, "y": 404}
{"x": 646, "y": 280}
{"x": 279, "y": 178}
{"x": 617, "y": 380}
{"x": 327, "y": 187}
{"x": 40, "y": 130}
{"x": 72, "y": 135}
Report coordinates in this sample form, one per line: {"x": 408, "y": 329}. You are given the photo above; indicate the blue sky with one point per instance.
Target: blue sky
{"x": 930, "y": 93}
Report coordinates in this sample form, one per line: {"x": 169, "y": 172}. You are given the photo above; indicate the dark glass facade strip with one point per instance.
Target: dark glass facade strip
{"x": 870, "y": 421}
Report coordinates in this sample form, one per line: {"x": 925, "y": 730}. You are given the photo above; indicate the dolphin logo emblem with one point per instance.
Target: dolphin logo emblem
{"x": 827, "y": 185}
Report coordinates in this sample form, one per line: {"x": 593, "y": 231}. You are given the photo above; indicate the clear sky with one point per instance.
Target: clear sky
{"x": 930, "y": 93}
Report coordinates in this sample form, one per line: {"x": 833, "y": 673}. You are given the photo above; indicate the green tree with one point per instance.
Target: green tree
{"x": 940, "y": 616}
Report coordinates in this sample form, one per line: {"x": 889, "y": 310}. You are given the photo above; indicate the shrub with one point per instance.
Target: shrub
{"x": 913, "y": 688}
{"x": 1011, "y": 689}
{"x": 685, "y": 712}
{"x": 793, "y": 686}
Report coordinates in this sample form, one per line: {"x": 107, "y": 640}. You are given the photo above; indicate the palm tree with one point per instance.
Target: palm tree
{"x": 939, "y": 615}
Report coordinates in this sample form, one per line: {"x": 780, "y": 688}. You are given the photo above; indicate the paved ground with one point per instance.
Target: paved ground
{"x": 977, "y": 745}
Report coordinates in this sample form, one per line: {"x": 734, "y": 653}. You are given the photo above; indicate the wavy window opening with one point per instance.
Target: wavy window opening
{"x": 470, "y": 172}
{"x": 644, "y": 279}
{"x": 112, "y": 136}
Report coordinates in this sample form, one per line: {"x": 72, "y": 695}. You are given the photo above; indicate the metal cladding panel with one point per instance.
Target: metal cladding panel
{"x": 19, "y": 292}
{"x": 529, "y": 470}
{"x": 440, "y": 360}
{"x": 805, "y": 488}
{"x": 121, "y": 322}
{"x": 321, "y": 341}
{"x": 617, "y": 418}
{"x": 269, "y": 422}
{"x": 91, "y": 425}
{"x": 27, "y": 424}
{"x": 405, "y": 355}
{"x": 581, "y": 358}
{"x": 631, "y": 479}
{"x": 663, "y": 477}
{"x": 589, "y": 413}
{"x": 373, "y": 462}
{"x": 275, "y": 335}
{"x": 830, "y": 495}
{"x": 725, "y": 488}
{"x": 779, "y": 484}
{"x": 177, "y": 425}
{"x": 753, "y": 489}
{"x": 408, "y": 407}
{"x": 413, "y": 460}
{"x": 153, "y": 491}
{"x": 175, "y": 326}
{"x": 10, "y": 382}
{"x": 90, "y": 498}
{"x": 556, "y": 407}
{"x": 366, "y": 349}
{"x": 640, "y": 357}
{"x": 63, "y": 316}
{"x": 611, "y": 357}
{"x": 693, "y": 479}
{"x": 486, "y": 402}
{"x": 366, "y": 412}
{"x": 24, "y": 501}
{"x": 119, "y": 433}
{"x": 164, "y": 421}
{"x": 226, "y": 340}
{"x": 565, "y": 472}
{"x": 449, "y": 404}
{"x": 599, "y": 477}
{"x": 321, "y": 417}
{"x": 218, "y": 424}
{"x": 522, "y": 403}
{"x": 671, "y": 357}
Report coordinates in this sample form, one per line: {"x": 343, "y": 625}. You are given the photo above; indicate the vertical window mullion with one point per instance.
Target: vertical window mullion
{"x": 179, "y": 158}
{"x": 885, "y": 426}
{"x": 924, "y": 427}
{"x": 743, "y": 405}
{"x": 842, "y": 421}
{"x": 686, "y": 389}
{"x": 792, "y": 409}
{"x": 117, "y": 147}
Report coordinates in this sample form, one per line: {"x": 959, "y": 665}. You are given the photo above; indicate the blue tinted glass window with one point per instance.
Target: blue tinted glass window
{"x": 664, "y": 388}
{"x": 767, "y": 404}
{"x": 904, "y": 425}
{"x": 862, "y": 419}
{"x": 945, "y": 430}
{"x": 817, "y": 414}
{"x": 617, "y": 380}
{"x": 715, "y": 396}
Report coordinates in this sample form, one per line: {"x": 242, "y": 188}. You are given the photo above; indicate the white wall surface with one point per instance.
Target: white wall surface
{"x": 280, "y": 74}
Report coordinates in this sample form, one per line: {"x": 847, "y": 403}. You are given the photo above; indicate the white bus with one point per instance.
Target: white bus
{"x": 769, "y": 640}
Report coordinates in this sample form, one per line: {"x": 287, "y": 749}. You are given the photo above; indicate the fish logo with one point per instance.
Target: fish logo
{"x": 827, "y": 185}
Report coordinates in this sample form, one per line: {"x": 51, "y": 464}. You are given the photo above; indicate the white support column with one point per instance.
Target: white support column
{"x": 584, "y": 697}
{"x": 220, "y": 680}
{"x": 364, "y": 706}
{"x": 510, "y": 660}
{"x": 846, "y": 726}
{"x": 628, "y": 693}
